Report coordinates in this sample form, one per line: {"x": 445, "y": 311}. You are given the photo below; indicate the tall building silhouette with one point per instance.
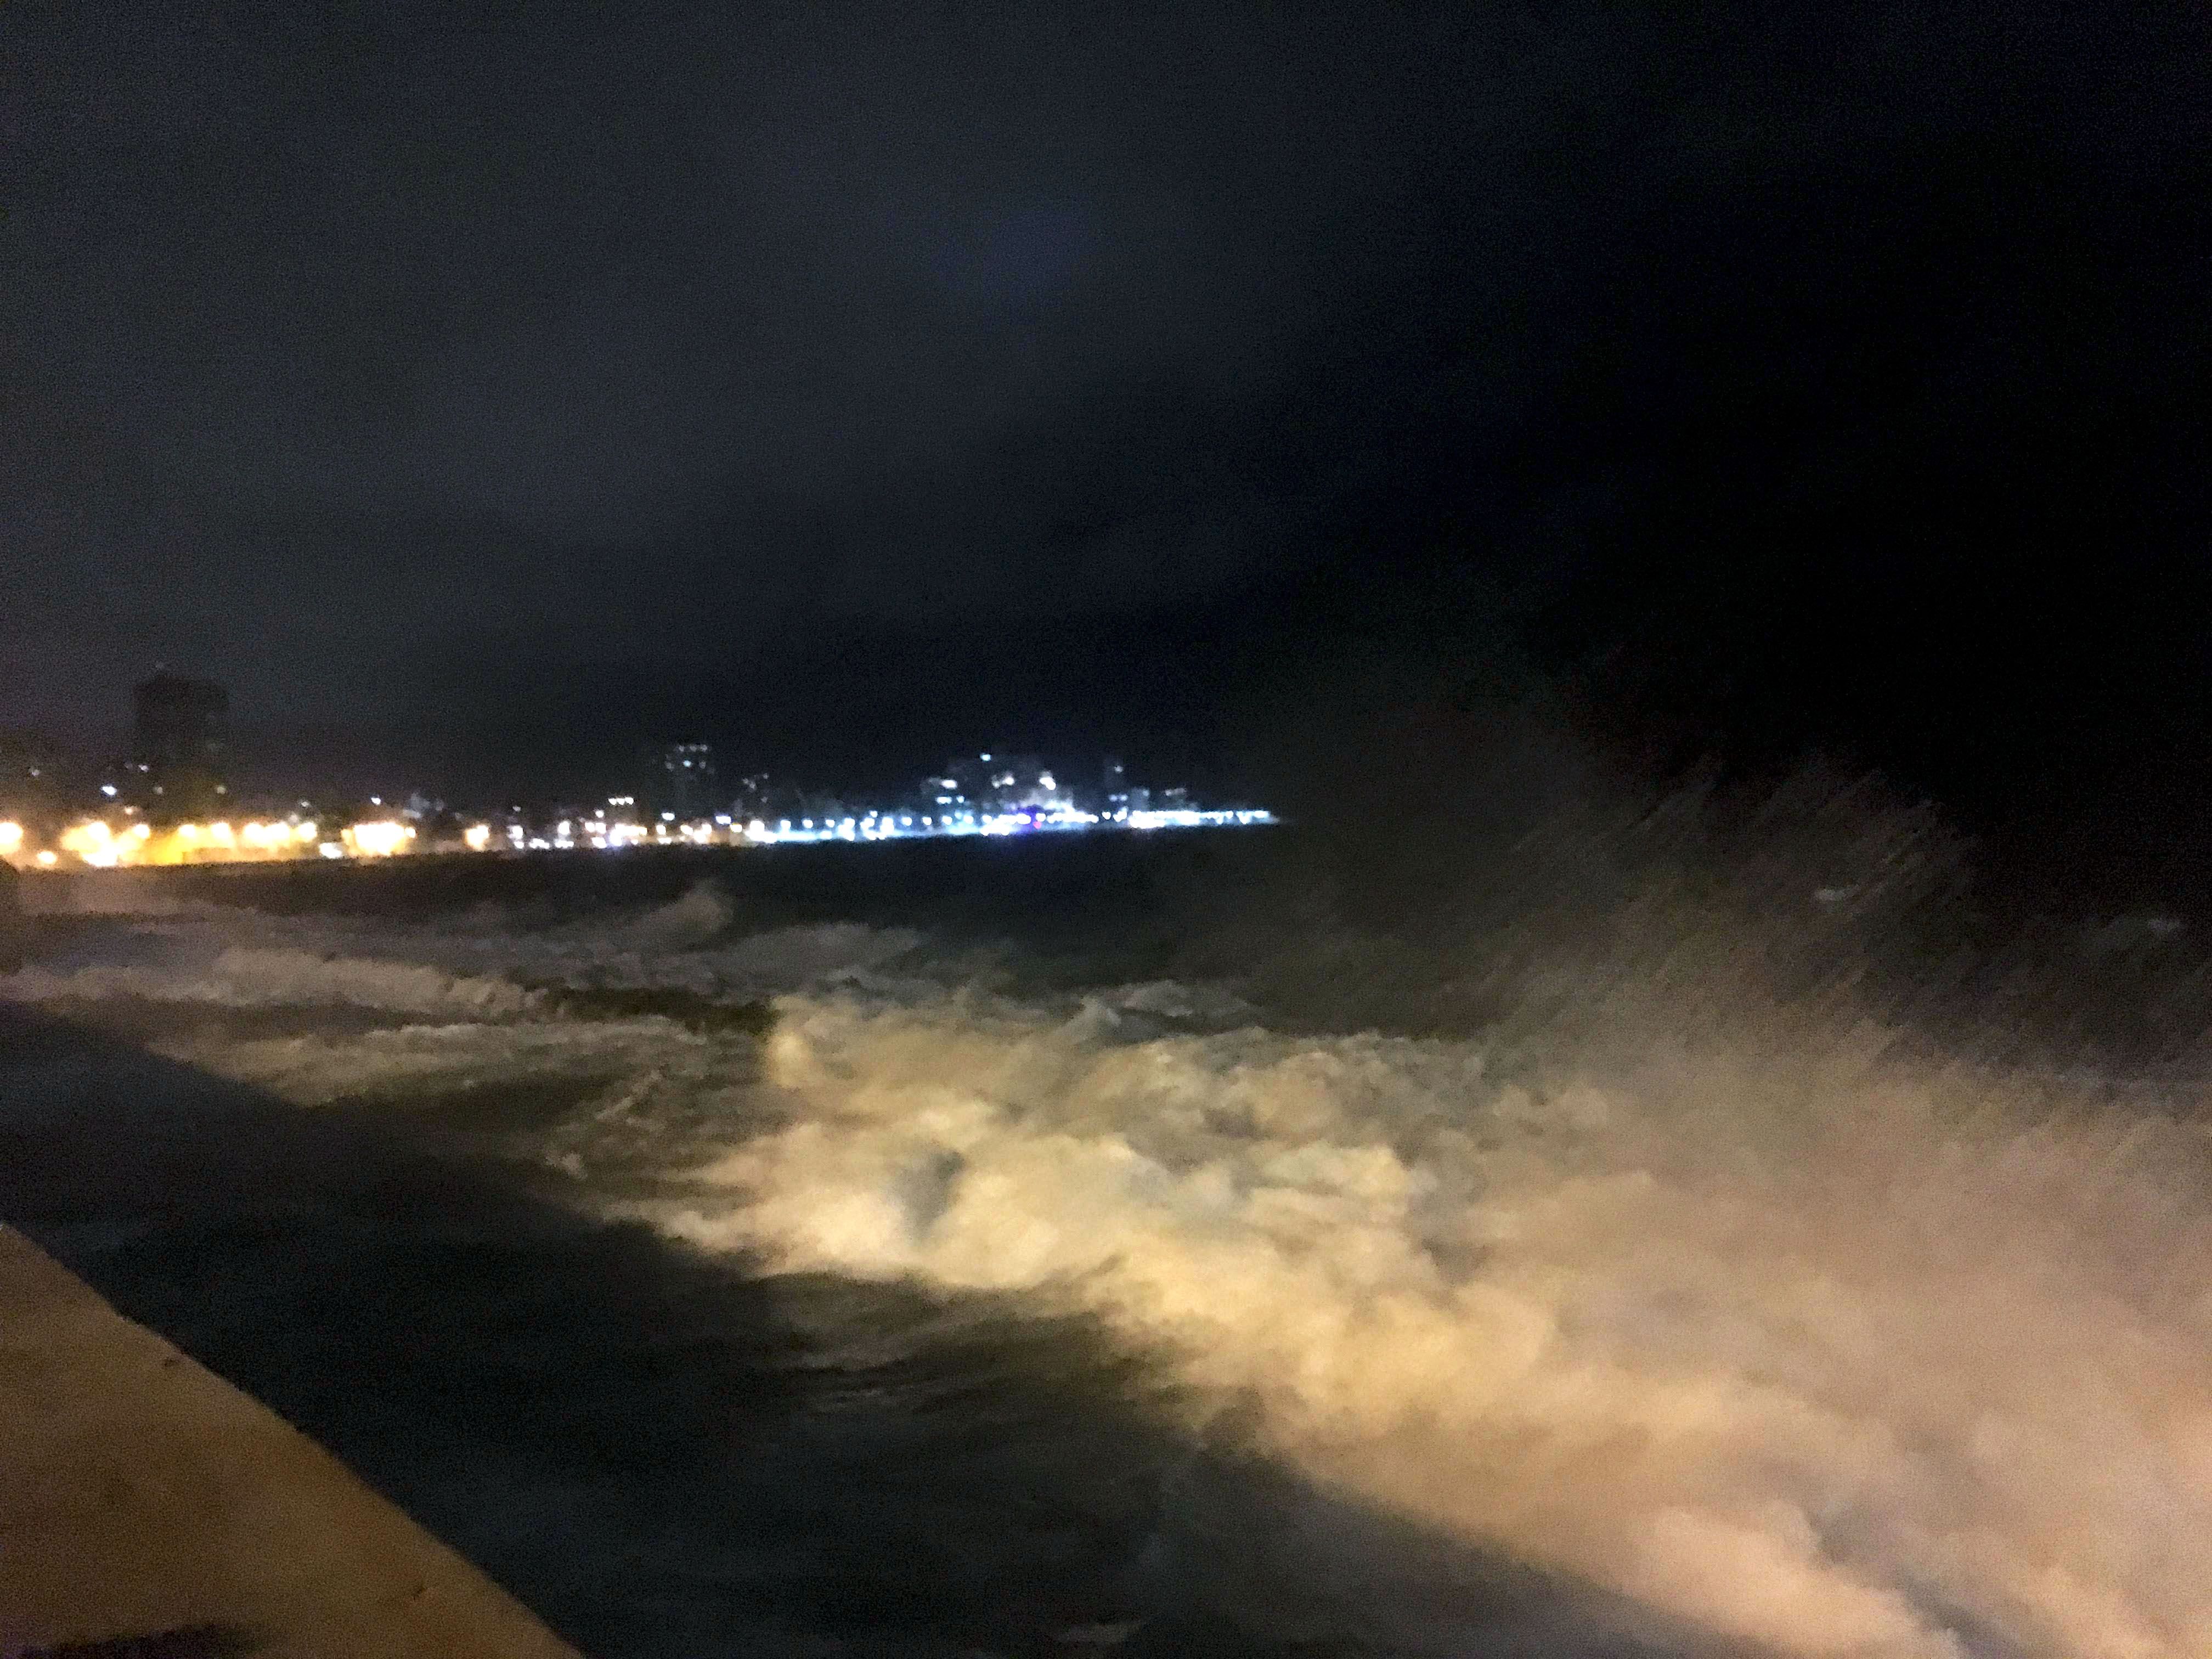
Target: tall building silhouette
{"x": 688, "y": 771}
{"x": 180, "y": 746}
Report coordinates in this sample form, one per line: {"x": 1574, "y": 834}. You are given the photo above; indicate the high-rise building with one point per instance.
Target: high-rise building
{"x": 947, "y": 792}
{"x": 180, "y": 745}
{"x": 1005, "y": 781}
{"x": 688, "y": 769}
{"x": 992, "y": 782}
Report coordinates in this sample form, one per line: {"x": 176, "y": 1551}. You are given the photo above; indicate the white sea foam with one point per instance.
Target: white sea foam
{"x": 1774, "y": 1337}
{"x": 476, "y": 964}
{"x": 109, "y": 893}
{"x": 701, "y": 914}
{"x": 248, "y": 976}
{"x": 1836, "y": 1364}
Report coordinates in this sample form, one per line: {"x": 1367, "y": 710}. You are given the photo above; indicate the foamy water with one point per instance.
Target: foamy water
{"x": 1779, "y": 1340}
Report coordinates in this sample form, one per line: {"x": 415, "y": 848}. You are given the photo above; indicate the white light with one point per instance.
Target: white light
{"x": 108, "y": 790}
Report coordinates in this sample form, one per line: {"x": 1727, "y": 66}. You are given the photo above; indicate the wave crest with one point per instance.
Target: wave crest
{"x": 1837, "y": 1360}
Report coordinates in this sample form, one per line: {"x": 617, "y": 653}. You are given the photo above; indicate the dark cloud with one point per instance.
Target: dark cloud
{"x": 355, "y": 350}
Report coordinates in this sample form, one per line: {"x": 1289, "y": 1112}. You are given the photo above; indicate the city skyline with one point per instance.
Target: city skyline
{"x": 172, "y": 800}
{"x": 177, "y": 723}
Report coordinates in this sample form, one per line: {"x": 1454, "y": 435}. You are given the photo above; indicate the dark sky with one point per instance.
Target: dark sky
{"x": 849, "y": 380}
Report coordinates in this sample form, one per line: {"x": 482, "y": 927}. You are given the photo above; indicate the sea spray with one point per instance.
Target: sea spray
{"x": 1776, "y": 1326}
{"x": 1838, "y": 1360}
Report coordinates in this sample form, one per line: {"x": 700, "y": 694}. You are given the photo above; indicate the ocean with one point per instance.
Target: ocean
{"x": 1024, "y": 1251}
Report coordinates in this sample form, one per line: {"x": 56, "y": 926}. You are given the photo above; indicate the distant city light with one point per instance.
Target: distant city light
{"x": 92, "y": 842}
{"x": 1017, "y": 796}
{"x": 379, "y": 838}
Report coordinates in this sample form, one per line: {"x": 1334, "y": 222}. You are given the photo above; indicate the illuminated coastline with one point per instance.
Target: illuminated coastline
{"x": 100, "y": 844}
{"x": 171, "y": 804}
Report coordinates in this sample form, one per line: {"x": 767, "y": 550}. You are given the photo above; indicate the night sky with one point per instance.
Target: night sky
{"x": 472, "y": 387}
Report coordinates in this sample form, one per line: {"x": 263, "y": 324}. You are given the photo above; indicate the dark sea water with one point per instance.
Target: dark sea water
{"x": 1165, "y": 1249}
